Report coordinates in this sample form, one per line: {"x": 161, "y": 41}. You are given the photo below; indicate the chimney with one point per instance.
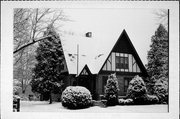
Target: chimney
{"x": 89, "y": 34}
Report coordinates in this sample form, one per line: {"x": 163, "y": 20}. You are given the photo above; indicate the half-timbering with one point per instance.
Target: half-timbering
{"x": 92, "y": 72}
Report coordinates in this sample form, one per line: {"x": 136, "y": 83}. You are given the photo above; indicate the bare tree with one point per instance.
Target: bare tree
{"x": 29, "y": 25}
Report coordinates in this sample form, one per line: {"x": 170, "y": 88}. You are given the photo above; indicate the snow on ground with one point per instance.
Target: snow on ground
{"x": 43, "y": 106}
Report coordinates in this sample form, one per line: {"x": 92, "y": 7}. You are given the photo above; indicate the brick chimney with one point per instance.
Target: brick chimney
{"x": 89, "y": 34}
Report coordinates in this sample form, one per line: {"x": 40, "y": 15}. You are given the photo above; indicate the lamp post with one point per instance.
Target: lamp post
{"x": 77, "y": 64}
{"x": 88, "y": 34}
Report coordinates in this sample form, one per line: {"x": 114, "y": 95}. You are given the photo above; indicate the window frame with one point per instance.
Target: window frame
{"x": 122, "y": 62}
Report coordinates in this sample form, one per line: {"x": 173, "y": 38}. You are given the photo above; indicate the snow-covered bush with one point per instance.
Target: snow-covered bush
{"x": 16, "y": 86}
{"x": 161, "y": 90}
{"x": 126, "y": 101}
{"x": 111, "y": 90}
{"x": 137, "y": 90}
{"x": 152, "y": 99}
{"x": 75, "y": 97}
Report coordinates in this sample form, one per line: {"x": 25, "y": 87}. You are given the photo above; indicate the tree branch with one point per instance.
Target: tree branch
{"x": 35, "y": 41}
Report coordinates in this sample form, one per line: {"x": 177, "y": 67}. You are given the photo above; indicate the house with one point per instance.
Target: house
{"x": 88, "y": 62}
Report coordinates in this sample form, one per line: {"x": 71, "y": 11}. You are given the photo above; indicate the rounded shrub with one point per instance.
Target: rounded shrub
{"x": 111, "y": 90}
{"x": 76, "y": 97}
{"x": 137, "y": 90}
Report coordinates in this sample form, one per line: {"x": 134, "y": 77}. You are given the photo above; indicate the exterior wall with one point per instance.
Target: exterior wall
{"x": 110, "y": 64}
{"x": 69, "y": 80}
{"x": 99, "y": 85}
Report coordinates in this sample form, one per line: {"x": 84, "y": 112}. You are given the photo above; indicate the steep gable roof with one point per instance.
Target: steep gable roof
{"x": 85, "y": 71}
{"x": 127, "y": 47}
{"x": 92, "y": 53}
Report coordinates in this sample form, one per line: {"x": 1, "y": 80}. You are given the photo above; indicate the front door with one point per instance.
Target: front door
{"x": 87, "y": 81}
{"x": 126, "y": 83}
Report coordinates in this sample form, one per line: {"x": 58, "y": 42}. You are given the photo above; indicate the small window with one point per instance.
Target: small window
{"x": 84, "y": 72}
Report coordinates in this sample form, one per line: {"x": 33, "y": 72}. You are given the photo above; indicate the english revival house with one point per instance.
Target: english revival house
{"x": 89, "y": 61}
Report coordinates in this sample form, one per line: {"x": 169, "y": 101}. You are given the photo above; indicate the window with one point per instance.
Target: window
{"x": 121, "y": 62}
{"x": 84, "y": 72}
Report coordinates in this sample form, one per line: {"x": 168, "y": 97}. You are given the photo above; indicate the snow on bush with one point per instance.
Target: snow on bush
{"x": 161, "y": 90}
{"x": 152, "y": 99}
{"x": 136, "y": 88}
{"x": 111, "y": 90}
{"x": 75, "y": 97}
{"x": 138, "y": 92}
{"x": 125, "y": 101}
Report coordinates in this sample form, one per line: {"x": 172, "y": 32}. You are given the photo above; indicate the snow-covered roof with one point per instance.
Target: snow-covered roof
{"x": 93, "y": 51}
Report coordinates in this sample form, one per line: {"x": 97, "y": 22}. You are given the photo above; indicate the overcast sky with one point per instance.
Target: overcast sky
{"x": 140, "y": 25}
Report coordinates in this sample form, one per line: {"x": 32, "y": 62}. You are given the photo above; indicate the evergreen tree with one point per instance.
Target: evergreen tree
{"x": 47, "y": 71}
{"x": 111, "y": 90}
{"x": 157, "y": 66}
{"x": 137, "y": 90}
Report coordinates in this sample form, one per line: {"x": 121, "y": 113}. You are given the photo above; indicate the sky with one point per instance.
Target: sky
{"x": 140, "y": 25}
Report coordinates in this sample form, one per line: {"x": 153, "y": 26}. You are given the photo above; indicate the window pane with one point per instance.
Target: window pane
{"x": 117, "y": 59}
{"x": 126, "y": 60}
{"x": 122, "y": 60}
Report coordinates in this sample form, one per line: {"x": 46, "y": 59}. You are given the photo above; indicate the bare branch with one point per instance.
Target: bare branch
{"x": 21, "y": 54}
{"x": 30, "y": 24}
{"x": 35, "y": 41}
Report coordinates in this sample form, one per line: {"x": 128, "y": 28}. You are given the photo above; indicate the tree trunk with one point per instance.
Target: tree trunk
{"x": 50, "y": 98}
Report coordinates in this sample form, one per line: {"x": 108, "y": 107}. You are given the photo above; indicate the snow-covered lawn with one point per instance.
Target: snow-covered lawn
{"x": 42, "y": 106}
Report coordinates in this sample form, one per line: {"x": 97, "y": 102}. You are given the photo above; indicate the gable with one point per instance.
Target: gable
{"x": 123, "y": 57}
{"x": 122, "y": 45}
{"x": 122, "y": 62}
{"x": 85, "y": 71}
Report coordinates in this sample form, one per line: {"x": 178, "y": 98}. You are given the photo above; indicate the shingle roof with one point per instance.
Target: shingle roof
{"x": 93, "y": 51}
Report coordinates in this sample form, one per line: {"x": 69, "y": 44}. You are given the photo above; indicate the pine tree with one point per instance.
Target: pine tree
{"x": 111, "y": 90}
{"x": 137, "y": 90}
{"x": 157, "y": 66}
{"x": 47, "y": 71}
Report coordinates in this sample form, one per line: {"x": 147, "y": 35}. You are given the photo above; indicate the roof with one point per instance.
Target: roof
{"x": 93, "y": 51}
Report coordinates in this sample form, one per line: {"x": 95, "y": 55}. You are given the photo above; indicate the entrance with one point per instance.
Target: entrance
{"x": 87, "y": 81}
